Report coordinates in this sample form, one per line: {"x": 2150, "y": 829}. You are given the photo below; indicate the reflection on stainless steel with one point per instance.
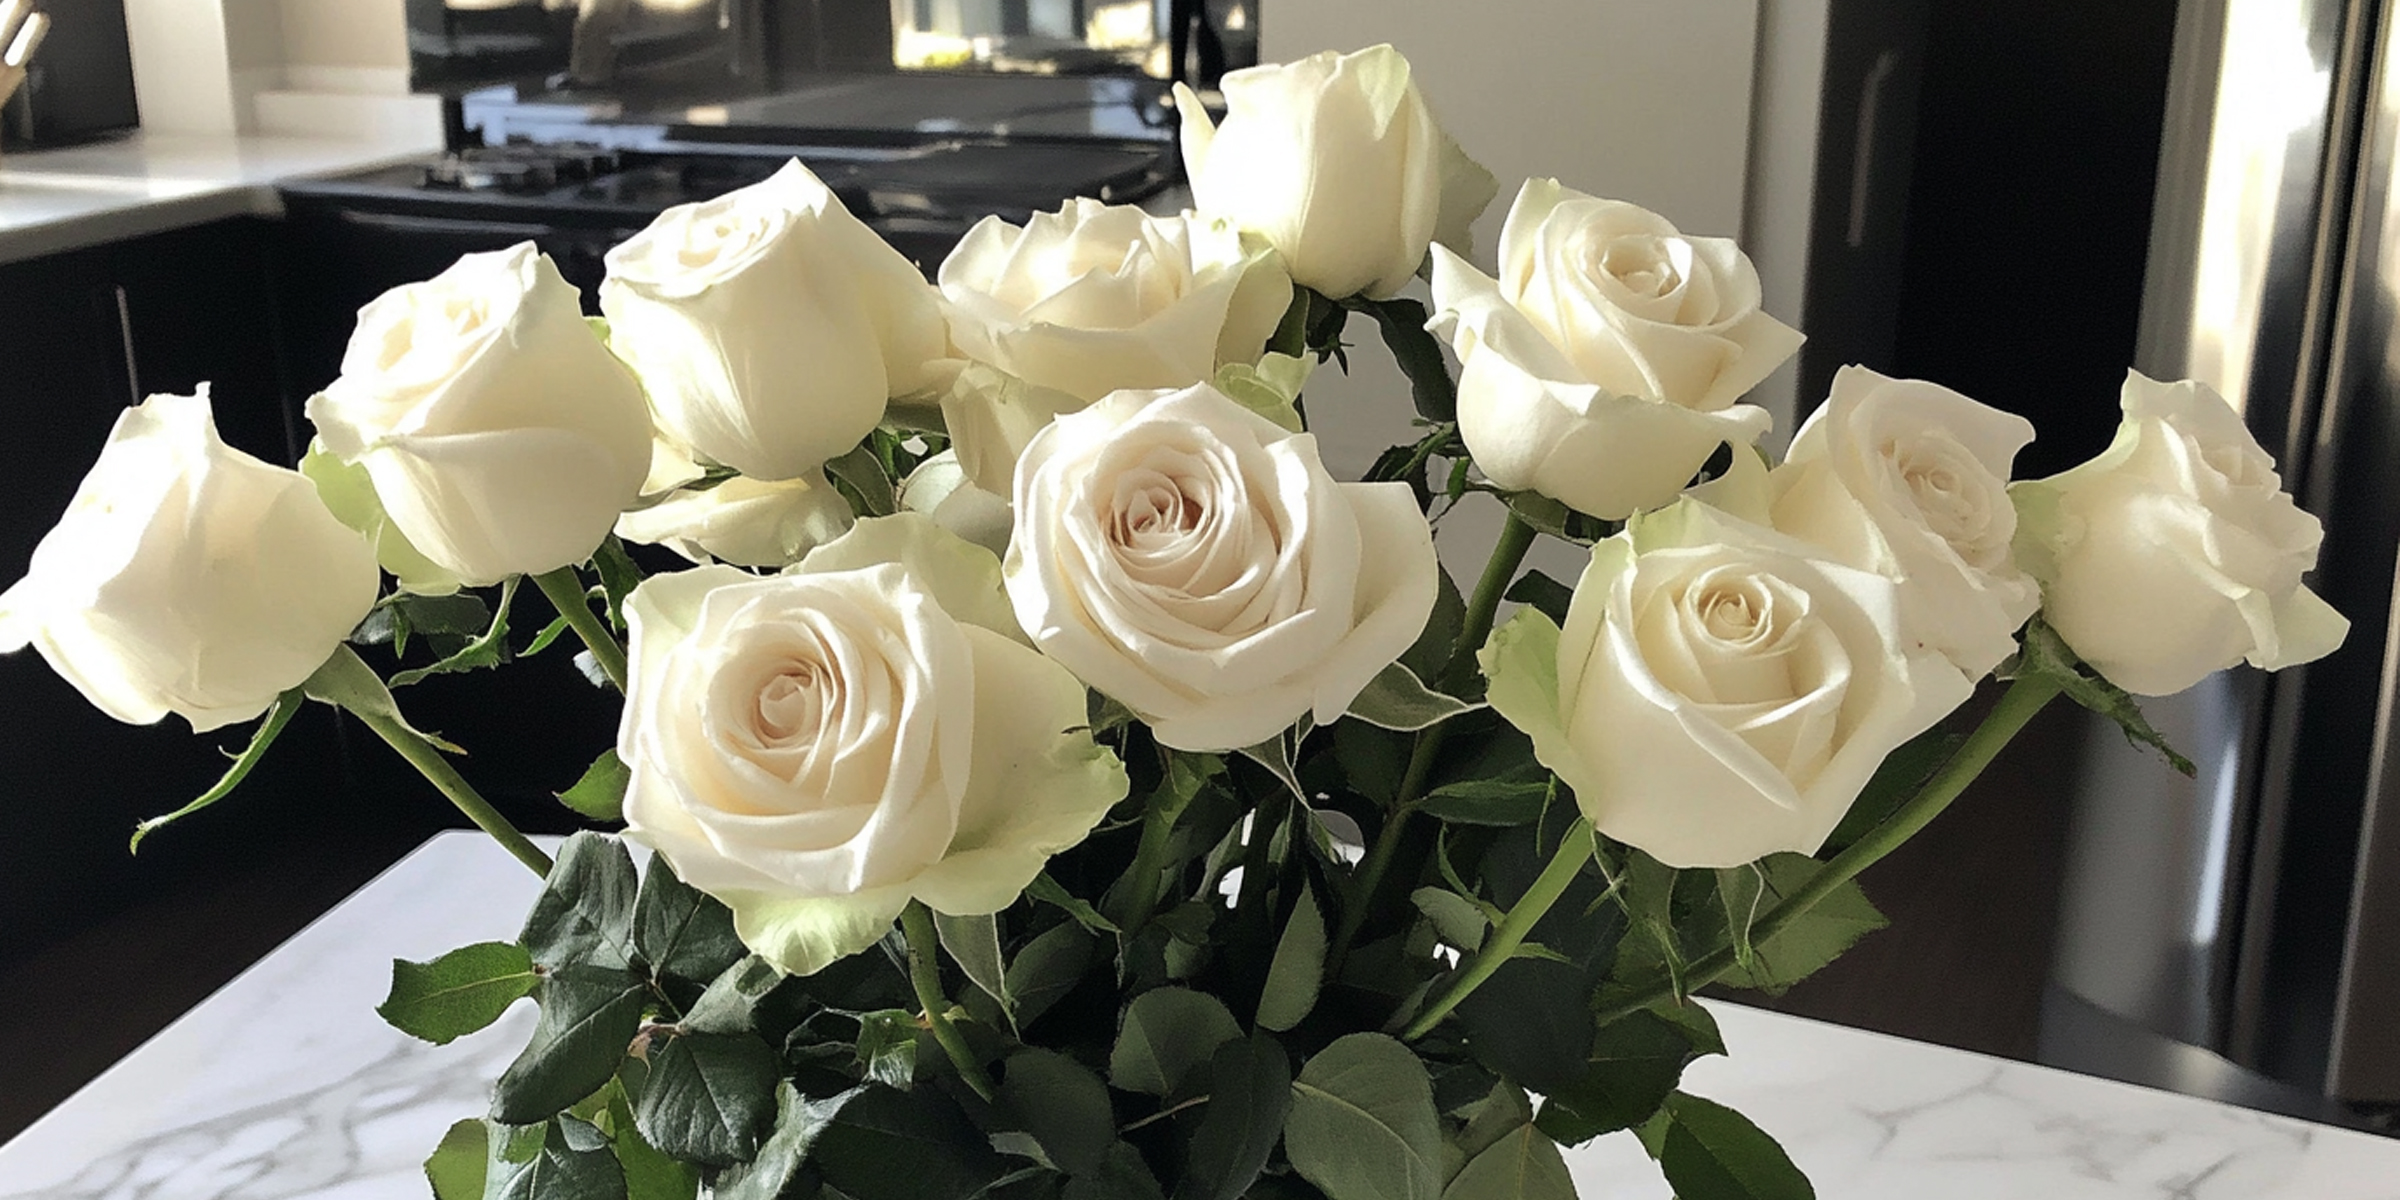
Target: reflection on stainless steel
{"x": 2357, "y": 454}
{"x": 2239, "y": 911}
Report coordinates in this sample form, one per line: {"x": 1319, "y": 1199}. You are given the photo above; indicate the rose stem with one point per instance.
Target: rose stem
{"x": 1516, "y": 539}
{"x": 429, "y": 762}
{"x": 925, "y": 974}
{"x": 2025, "y": 697}
{"x": 564, "y": 587}
{"x": 1574, "y": 850}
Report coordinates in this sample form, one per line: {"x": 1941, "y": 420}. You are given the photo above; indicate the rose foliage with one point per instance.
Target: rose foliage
{"x": 1051, "y": 781}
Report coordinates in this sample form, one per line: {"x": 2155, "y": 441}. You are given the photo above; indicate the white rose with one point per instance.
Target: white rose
{"x": 769, "y": 325}
{"x": 940, "y": 489}
{"x": 188, "y": 577}
{"x": 2176, "y": 553}
{"x": 1910, "y": 479}
{"x": 744, "y": 521}
{"x": 818, "y": 748}
{"x": 1337, "y": 162}
{"x": 1602, "y": 367}
{"x": 1194, "y": 560}
{"x": 501, "y": 435}
{"x": 1720, "y": 692}
{"x": 1094, "y": 298}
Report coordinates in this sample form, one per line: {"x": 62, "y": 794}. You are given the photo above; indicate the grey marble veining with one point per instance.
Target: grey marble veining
{"x": 285, "y": 1085}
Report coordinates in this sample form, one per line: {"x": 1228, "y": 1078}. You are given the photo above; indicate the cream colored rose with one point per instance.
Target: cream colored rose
{"x": 501, "y": 436}
{"x": 743, "y": 521}
{"x": 1195, "y": 561}
{"x": 818, "y": 748}
{"x": 1092, "y": 299}
{"x": 1337, "y": 162}
{"x": 2176, "y": 553}
{"x": 1910, "y": 479}
{"x": 188, "y": 577}
{"x": 1720, "y": 692}
{"x": 769, "y": 325}
{"x": 1603, "y": 366}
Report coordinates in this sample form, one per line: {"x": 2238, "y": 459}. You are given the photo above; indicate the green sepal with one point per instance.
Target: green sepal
{"x": 278, "y": 716}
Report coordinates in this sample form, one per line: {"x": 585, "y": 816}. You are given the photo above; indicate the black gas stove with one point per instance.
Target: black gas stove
{"x": 920, "y": 161}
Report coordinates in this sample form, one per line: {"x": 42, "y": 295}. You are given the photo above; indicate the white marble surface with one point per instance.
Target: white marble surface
{"x": 286, "y": 1084}
{"x": 53, "y": 200}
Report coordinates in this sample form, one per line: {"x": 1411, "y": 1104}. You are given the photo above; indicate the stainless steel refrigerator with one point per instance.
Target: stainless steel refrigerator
{"x": 2238, "y": 934}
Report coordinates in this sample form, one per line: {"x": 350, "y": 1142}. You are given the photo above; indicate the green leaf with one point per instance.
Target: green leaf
{"x": 1167, "y": 1032}
{"x": 1542, "y": 592}
{"x": 1818, "y": 937}
{"x": 1297, "y": 970}
{"x": 1050, "y": 892}
{"x": 2047, "y": 655}
{"x": 1373, "y": 760}
{"x": 974, "y": 943}
{"x": 889, "y": 1145}
{"x": 455, "y": 1169}
{"x": 1502, "y": 1109}
{"x": 799, "y": 1122}
{"x": 278, "y": 716}
{"x": 1460, "y": 921}
{"x": 600, "y": 794}
{"x": 1249, "y": 1098}
{"x": 619, "y": 575}
{"x": 710, "y": 1098}
{"x": 585, "y": 911}
{"x": 1635, "y": 1064}
{"x": 1531, "y": 1017}
{"x": 574, "y": 1163}
{"x": 458, "y": 993}
{"x": 1418, "y": 353}
{"x": 860, "y": 476}
{"x": 887, "y": 1047}
{"x": 489, "y": 649}
{"x": 1523, "y": 1165}
{"x": 1362, "y": 1125}
{"x": 589, "y": 1016}
{"x": 1710, "y": 1152}
{"x": 397, "y": 616}
{"x": 650, "y": 1173}
{"x": 1047, "y": 969}
{"x": 1396, "y": 699}
{"x": 1429, "y": 656}
{"x": 681, "y": 931}
{"x": 1064, "y": 1106}
{"x": 1495, "y": 802}
{"x": 727, "y": 1005}
{"x": 1122, "y": 1176}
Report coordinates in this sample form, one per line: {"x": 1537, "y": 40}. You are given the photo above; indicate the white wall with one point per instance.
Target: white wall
{"x": 323, "y": 68}
{"x": 1642, "y": 100}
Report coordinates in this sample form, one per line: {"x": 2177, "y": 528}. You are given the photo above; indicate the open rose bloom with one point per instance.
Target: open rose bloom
{"x": 1055, "y": 779}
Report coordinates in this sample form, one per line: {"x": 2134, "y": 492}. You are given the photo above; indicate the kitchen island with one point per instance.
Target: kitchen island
{"x": 286, "y": 1084}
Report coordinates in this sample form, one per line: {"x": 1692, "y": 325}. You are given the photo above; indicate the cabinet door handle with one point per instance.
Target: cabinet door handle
{"x": 133, "y": 370}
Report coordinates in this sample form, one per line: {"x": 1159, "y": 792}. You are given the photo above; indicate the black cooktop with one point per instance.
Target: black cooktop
{"x": 956, "y": 179}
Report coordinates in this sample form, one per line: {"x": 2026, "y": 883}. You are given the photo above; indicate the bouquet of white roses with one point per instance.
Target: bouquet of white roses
{"x": 1058, "y": 784}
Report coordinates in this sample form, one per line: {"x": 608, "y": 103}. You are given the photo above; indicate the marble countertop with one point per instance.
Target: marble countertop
{"x": 54, "y": 200}
{"x": 285, "y": 1084}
